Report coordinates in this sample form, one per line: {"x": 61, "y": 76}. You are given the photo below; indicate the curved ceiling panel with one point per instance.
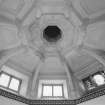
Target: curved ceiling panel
{"x": 52, "y": 66}
{"x": 31, "y": 17}
{"x": 79, "y": 60}
{"x": 95, "y": 36}
{"x": 12, "y": 6}
{"x": 8, "y": 36}
{"x": 92, "y": 7}
{"x": 26, "y": 60}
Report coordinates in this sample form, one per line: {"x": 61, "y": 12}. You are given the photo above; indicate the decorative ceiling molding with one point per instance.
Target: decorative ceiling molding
{"x": 100, "y": 91}
{"x": 29, "y": 12}
{"x": 35, "y": 75}
{"x": 91, "y": 68}
{"x": 13, "y": 6}
{"x": 30, "y": 25}
{"x": 98, "y": 54}
{"x": 75, "y": 88}
{"x": 18, "y": 67}
{"x": 93, "y": 11}
{"x": 83, "y": 16}
{"x": 78, "y": 9}
{"x": 6, "y": 54}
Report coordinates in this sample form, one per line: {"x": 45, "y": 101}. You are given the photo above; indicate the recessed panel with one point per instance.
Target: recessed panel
{"x": 27, "y": 60}
{"x": 12, "y": 5}
{"x": 93, "y": 6}
{"x": 96, "y": 36}
{"x": 8, "y": 36}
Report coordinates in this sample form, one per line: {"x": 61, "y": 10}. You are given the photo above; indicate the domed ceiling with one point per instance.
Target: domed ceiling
{"x": 79, "y": 41}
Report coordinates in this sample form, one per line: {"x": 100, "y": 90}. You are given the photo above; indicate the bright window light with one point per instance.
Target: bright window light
{"x": 9, "y": 82}
{"x": 14, "y": 84}
{"x": 47, "y": 90}
{"x": 4, "y": 80}
{"x": 57, "y": 91}
{"x": 52, "y": 90}
{"x": 99, "y": 79}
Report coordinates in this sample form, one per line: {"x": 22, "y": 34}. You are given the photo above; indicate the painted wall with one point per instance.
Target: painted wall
{"x": 96, "y": 101}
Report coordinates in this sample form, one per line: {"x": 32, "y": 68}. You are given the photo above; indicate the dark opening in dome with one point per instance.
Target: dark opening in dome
{"x": 52, "y": 33}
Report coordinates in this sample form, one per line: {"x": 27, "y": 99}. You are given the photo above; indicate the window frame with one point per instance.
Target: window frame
{"x": 94, "y": 84}
{"x": 11, "y": 76}
{"x": 50, "y": 81}
{"x": 52, "y": 85}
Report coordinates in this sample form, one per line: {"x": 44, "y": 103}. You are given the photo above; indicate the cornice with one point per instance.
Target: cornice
{"x": 100, "y": 91}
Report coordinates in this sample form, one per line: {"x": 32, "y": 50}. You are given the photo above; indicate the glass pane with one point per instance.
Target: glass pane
{"x": 99, "y": 79}
{"x": 47, "y": 90}
{"x": 14, "y": 84}
{"x": 4, "y": 80}
{"x": 57, "y": 91}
